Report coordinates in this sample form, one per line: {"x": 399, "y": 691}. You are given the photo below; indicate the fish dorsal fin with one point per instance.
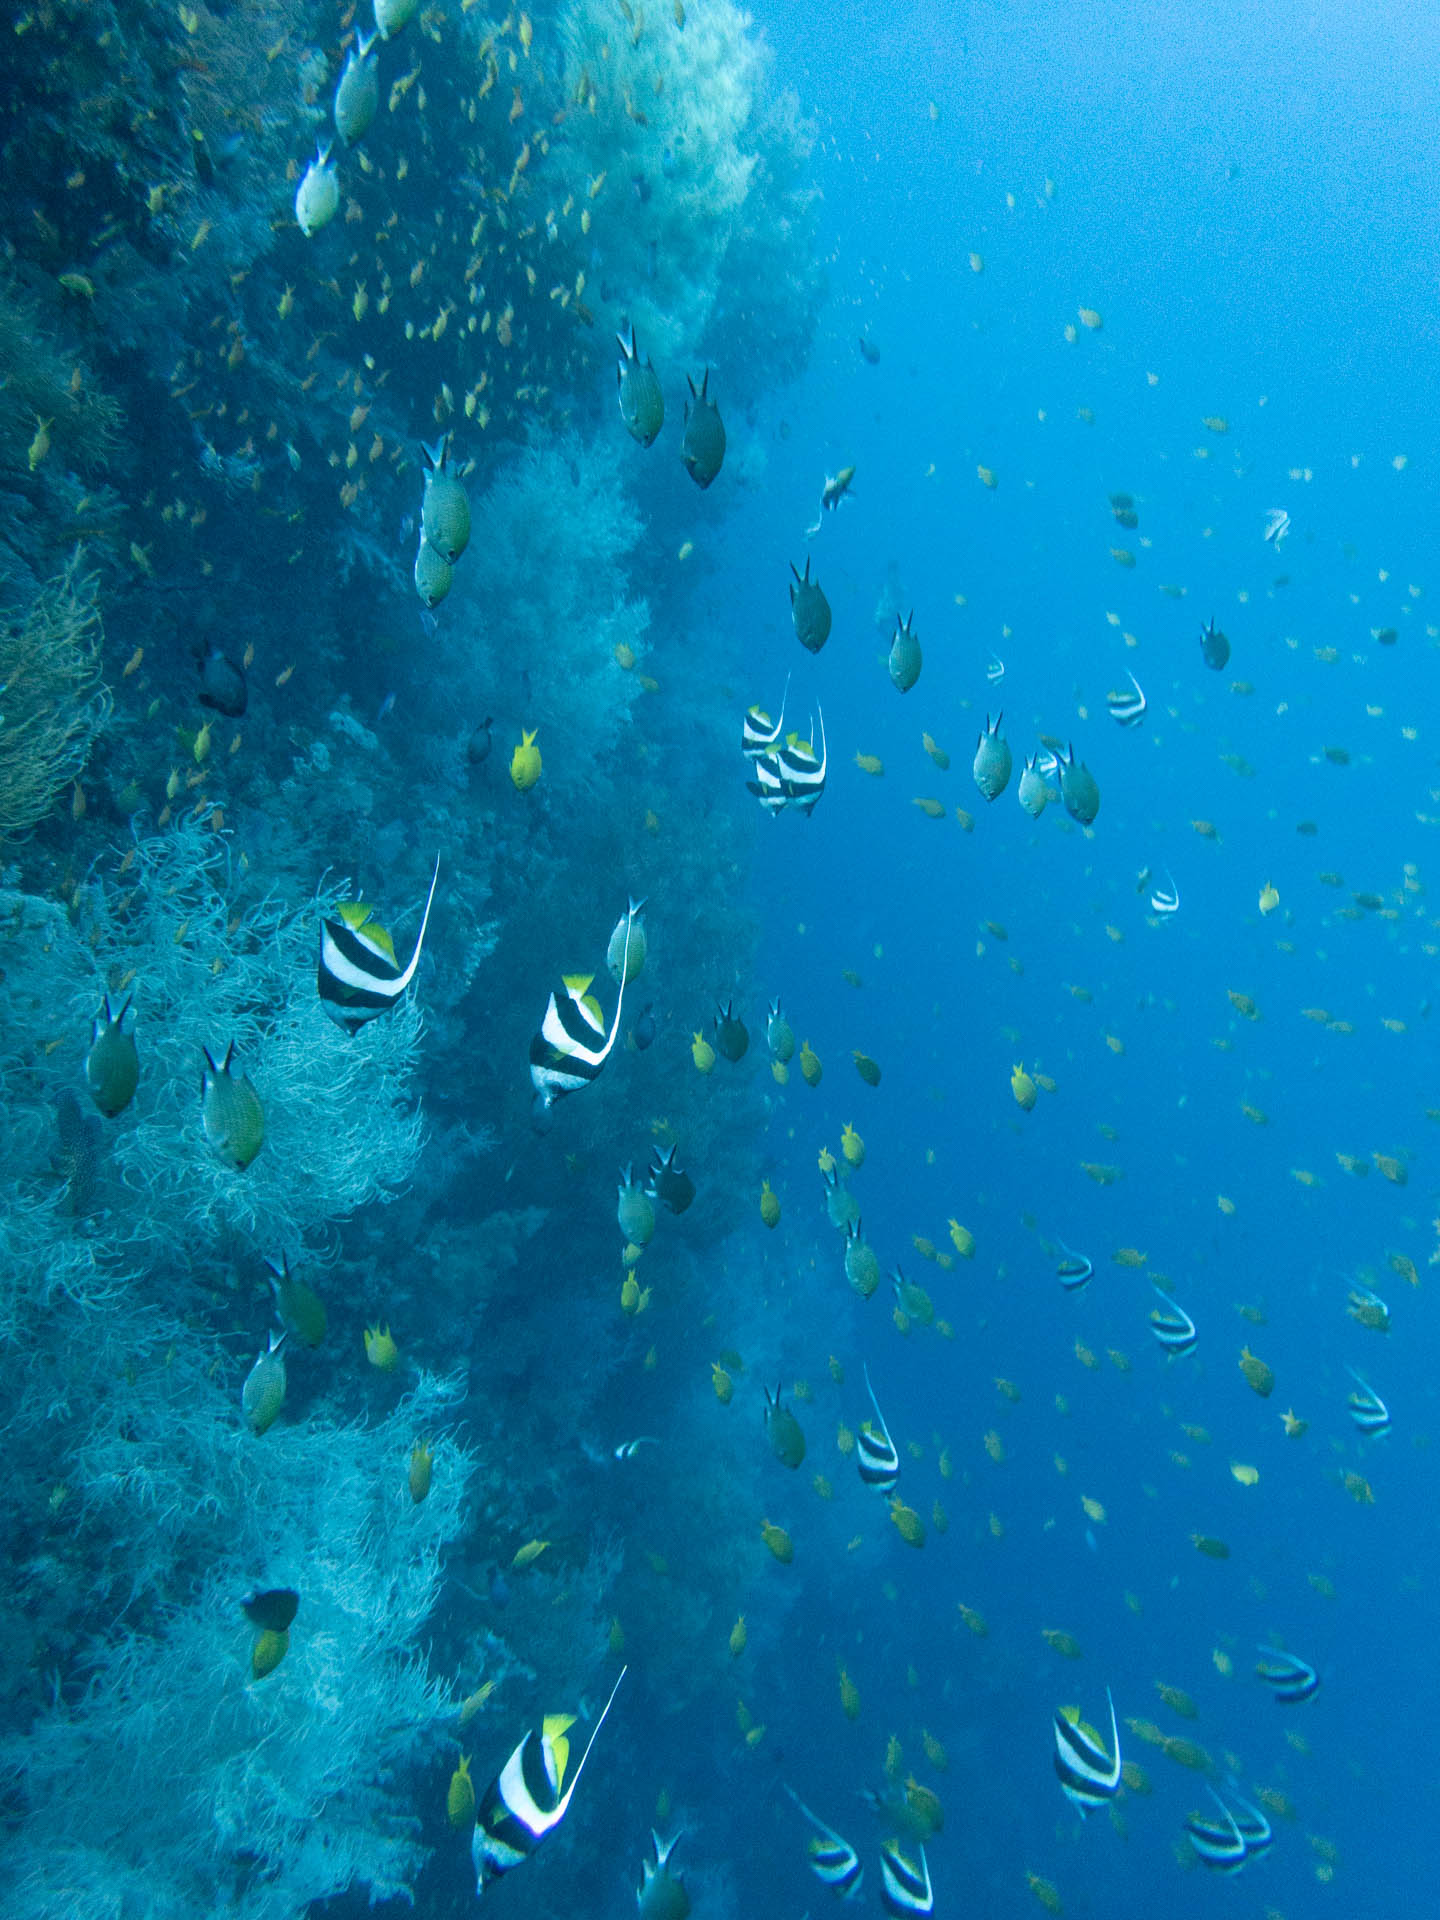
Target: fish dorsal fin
{"x": 885, "y": 1431}
{"x": 1115, "y": 1738}
{"x": 409, "y": 974}
{"x": 815, "y": 1820}
{"x": 603, "y": 1056}
{"x": 553, "y": 1729}
{"x": 565, "y": 1797}
{"x": 824, "y": 751}
{"x": 577, "y": 985}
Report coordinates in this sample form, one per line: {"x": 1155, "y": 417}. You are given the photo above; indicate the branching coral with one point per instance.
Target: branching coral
{"x": 552, "y": 537}
{"x": 197, "y": 1779}
{"x": 700, "y": 197}
{"x": 209, "y": 971}
{"x": 52, "y": 700}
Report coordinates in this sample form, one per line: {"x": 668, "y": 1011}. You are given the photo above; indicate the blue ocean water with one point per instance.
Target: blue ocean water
{"x": 1179, "y": 258}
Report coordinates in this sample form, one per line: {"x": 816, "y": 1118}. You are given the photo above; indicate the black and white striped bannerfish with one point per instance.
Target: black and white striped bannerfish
{"x": 833, "y": 1861}
{"x": 759, "y": 736}
{"x": 1074, "y": 1270}
{"x": 1088, "y": 1774}
{"x": 875, "y": 1453}
{"x": 1227, "y": 1843}
{"x": 801, "y": 774}
{"x": 1366, "y": 1408}
{"x": 528, "y": 1798}
{"x": 767, "y": 785}
{"x": 1219, "y": 1843}
{"x": 904, "y": 1888}
{"x": 1288, "y": 1677}
{"x": 1128, "y": 709}
{"x": 358, "y": 977}
{"x": 572, "y": 1044}
{"x": 1172, "y": 1326}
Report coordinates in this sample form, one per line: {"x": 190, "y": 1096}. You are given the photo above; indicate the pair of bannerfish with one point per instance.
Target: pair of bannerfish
{"x": 360, "y": 978}
{"x": 788, "y": 771}
{"x": 905, "y": 1884}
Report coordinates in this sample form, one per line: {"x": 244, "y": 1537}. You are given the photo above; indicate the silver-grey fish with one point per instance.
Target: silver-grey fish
{"x": 703, "y": 449}
{"x": 993, "y": 760}
{"x": 642, "y": 403}
{"x": 112, "y": 1066}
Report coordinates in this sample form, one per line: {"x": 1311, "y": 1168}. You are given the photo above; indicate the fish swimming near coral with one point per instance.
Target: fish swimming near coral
{"x": 809, "y": 609}
{"x": 357, "y": 974}
{"x": 230, "y": 1110}
{"x": 317, "y": 198}
{"x": 528, "y": 1798}
{"x": 669, "y": 1183}
{"x": 572, "y": 1045}
{"x": 662, "y": 1893}
{"x": 760, "y": 734}
{"x": 223, "y": 687}
{"x": 357, "y": 94}
{"x": 445, "y": 505}
{"x": 703, "y": 450}
{"x": 112, "y": 1066}
{"x": 642, "y": 403}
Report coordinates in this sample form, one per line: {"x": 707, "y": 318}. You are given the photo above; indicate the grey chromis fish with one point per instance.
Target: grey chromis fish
{"x": 230, "y": 1110}
{"x": 782, "y": 1429}
{"x": 433, "y": 574}
{"x": 627, "y": 955}
{"x": 317, "y": 198}
{"x": 528, "y": 1798}
{"x": 993, "y": 760}
{"x": 669, "y": 1183}
{"x": 644, "y": 1029}
{"x": 635, "y": 1211}
{"x": 809, "y": 609}
{"x": 779, "y": 1034}
{"x": 1033, "y": 791}
{"x": 905, "y": 656}
{"x": 833, "y": 1861}
{"x": 445, "y": 505}
{"x": 263, "y": 1394}
{"x": 732, "y": 1037}
{"x": 357, "y": 97}
{"x": 703, "y": 449}
{"x": 1078, "y": 789}
{"x": 272, "y": 1609}
{"x": 661, "y": 1894}
{"x": 1214, "y": 647}
{"x": 392, "y": 15}
{"x": 112, "y": 1066}
{"x": 477, "y": 747}
{"x": 301, "y": 1310}
{"x": 642, "y": 403}
{"x": 222, "y": 683}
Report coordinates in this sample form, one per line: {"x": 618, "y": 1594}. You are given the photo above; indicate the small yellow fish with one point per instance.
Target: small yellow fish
{"x": 460, "y": 1797}
{"x": 1246, "y": 1475}
{"x": 40, "y": 445}
{"x": 849, "y": 1696}
{"x": 421, "y": 1462}
{"x": 778, "y": 1541}
{"x": 1269, "y": 898}
{"x": 525, "y": 763}
{"x": 870, "y": 763}
{"x": 380, "y": 1349}
{"x": 1090, "y": 318}
{"x": 738, "y": 1637}
{"x": 527, "y": 1555}
{"x": 1023, "y": 1088}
